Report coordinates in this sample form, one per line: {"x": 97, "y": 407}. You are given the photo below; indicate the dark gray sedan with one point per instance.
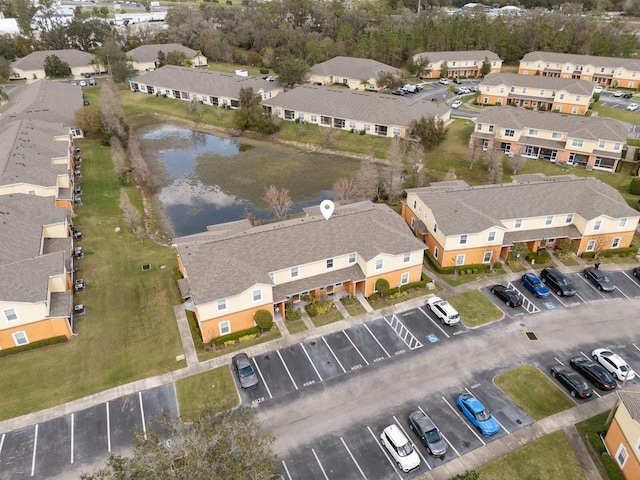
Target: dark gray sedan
{"x": 428, "y": 433}
{"x": 244, "y": 371}
{"x": 599, "y": 279}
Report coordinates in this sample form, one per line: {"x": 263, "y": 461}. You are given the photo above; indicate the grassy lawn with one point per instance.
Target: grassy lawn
{"x": 331, "y": 316}
{"x": 548, "y": 458}
{"x": 617, "y": 113}
{"x": 590, "y": 431}
{"x": 454, "y": 281}
{"x": 129, "y": 331}
{"x": 215, "y": 389}
{"x": 475, "y": 308}
{"x": 383, "y": 302}
{"x": 532, "y": 391}
{"x": 355, "y": 309}
{"x": 567, "y": 262}
{"x": 295, "y": 326}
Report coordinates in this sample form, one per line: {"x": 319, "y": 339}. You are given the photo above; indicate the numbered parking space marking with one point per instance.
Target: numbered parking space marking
{"x": 403, "y": 332}
{"x": 287, "y": 369}
{"x": 435, "y": 323}
{"x": 377, "y": 341}
{"x": 359, "y": 353}
{"x": 353, "y": 458}
{"x": 334, "y": 355}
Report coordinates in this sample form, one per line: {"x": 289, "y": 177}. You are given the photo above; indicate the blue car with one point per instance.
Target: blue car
{"x": 477, "y": 414}
{"x": 534, "y": 285}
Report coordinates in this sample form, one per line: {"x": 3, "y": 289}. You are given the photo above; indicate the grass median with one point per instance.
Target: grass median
{"x": 215, "y": 389}
{"x": 475, "y": 308}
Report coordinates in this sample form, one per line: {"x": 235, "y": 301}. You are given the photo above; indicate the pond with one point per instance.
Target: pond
{"x": 206, "y": 179}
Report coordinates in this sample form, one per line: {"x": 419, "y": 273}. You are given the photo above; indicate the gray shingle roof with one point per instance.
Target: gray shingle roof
{"x": 579, "y": 87}
{"x": 371, "y": 107}
{"x": 467, "y": 209}
{"x": 611, "y": 62}
{"x": 352, "y": 67}
{"x": 202, "y": 81}
{"x": 26, "y": 150}
{"x": 43, "y": 100}
{"x": 22, "y": 218}
{"x": 35, "y": 60}
{"x": 631, "y": 401}
{"x": 228, "y": 265}
{"x": 578, "y": 126}
{"x": 461, "y": 55}
{"x": 149, "y": 53}
{"x": 28, "y": 280}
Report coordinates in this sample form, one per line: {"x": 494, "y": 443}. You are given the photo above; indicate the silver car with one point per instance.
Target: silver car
{"x": 428, "y": 433}
{"x": 244, "y": 370}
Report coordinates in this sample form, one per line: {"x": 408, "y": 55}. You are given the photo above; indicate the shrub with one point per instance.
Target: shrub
{"x": 264, "y": 71}
{"x": 32, "y": 345}
{"x": 263, "y": 319}
{"x": 634, "y": 186}
{"x": 349, "y": 300}
{"x": 433, "y": 263}
{"x": 497, "y": 265}
{"x": 382, "y": 286}
{"x": 248, "y": 337}
{"x": 469, "y": 271}
{"x": 541, "y": 256}
{"x": 596, "y": 97}
{"x": 293, "y": 314}
{"x": 229, "y": 343}
{"x": 235, "y": 336}
{"x": 195, "y": 331}
{"x": 616, "y": 252}
{"x": 316, "y": 308}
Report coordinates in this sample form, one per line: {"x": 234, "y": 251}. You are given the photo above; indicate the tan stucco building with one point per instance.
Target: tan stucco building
{"x": 623, "y": 436}
{"x": 466, "y": 63}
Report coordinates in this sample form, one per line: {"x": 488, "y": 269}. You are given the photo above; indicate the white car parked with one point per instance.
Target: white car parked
{"x": 444, "y": 81}
{"x": 400, "y": 448}
{"x": 598, "y": 89}
{"x": 443, "y": 310}
{"x": 632, "y": 107}
{"x": 456, "y": 104}
{"x": 613, "y": 363}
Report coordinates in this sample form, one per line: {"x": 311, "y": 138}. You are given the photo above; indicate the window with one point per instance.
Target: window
{"x": 549, "y": 220}
{"x": 577, "y": 142}
{"x": 406, "y": 258}
{"x": 436, "y": 252}
{"x": 352, "y": 125}
{"x": 463, "y": 239}
{"x": 518, "y": 223}
{"x": 379, "y": 264}
{"x": 294, "y": 272}
{"x": 622, "y": 223}
{"x": 616, "y": 242}
{"x": 413, "y": 223}
{"x": 569, "y": 218}
{"x": 222, "y": 304}
{"x": 577, "y": 98}
{"x": 367, "y": 127}
{"x": 329, "y": 262}
{"x": 556, "y": 135}
{"x": 486, "y": 258}
{"x": 435, "y": 227}
{"x": 20, "y": 338}
{"x": 509, "y": 132}
{"x": 551, "y": 240}
{"x": 459, "y": 259}
{"x": 490, "y": 128}
{"x": 352, "y": 258}
{"x": 622, "y": 455}
{"x": 562, "y": 96}
{"x": 225, "y": 327}
{"x": 597, "y": 225}
{"x": 487, "y": 89}
{"x": 602, "y": 144}
{"x": 533, "y": 132}
{"x": 591, "y": 245}
{"x": 617, "y": 146}
{"x": 10, "y": 315}
{"x": 404, "y": 279}
{"x": 524, "y": 90}
{"x": 257, "y": 295}
{"x": 574, "y": 111}
{"x": 396, "y": 132}
{"x": 479, "y": 127}
{"x": 491, "y": 237}
{"x": 485, "y": 100}
{"x": 314, "y": 118}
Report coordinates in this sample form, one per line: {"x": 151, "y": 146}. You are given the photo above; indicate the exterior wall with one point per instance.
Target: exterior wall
{"x": 462, "y": 68}
{"x": 626, "y": 432}
{"x": 415, "y": 274}
{"x": 40, "y": 191}
{"x": 604, "y": 241}
{"x": 236, "y": 303}
{"x": 391, "y": 263}
{"x": 29, "y": 74}
{"x": 352, "y": 83}
{"x": 142, "y": 66}
{"x": 241, "y": 320}
{"x": 608, "y": 76}
{"x": 36, "y": 331}
{"x": 315, "y": 268}
{"x": 26, "y": 313}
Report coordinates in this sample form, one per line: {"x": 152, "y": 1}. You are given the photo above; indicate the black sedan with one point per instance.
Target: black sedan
{"x": 599, "y": 279}
{"x": 507, "y": 295}
{"x": 636, "y": 272}
{"x": 594, "y": 372}
{"x": 572, "y": 381}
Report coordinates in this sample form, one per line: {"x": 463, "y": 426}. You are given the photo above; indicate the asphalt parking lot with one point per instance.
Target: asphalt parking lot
{"x": 52, "y": 448}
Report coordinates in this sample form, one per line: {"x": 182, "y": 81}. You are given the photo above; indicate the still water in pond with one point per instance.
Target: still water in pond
{"x": 206, "y": 179}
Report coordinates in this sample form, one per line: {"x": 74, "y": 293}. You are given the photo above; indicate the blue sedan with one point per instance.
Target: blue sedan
{"x": 477, "y": 414}
{"x": 534, "y": 285}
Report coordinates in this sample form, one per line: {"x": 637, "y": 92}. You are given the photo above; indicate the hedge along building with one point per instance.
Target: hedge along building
{"x": 462, "y": 225}
{"x": 233, "y": 269}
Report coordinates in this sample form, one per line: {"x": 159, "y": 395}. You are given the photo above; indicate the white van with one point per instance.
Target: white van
{"x": 410, "y": 88}
{"x": 400, "y": 448}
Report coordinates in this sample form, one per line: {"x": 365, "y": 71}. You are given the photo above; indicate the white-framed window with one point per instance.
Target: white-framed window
{"x": 562, "y": 96}
{"x": 622, "y": 223}
{"x": 491, "y": 237}
{"x": 556, "y": 135}
{"x": 404, "y": 279}
{"x": 314, "y": 118}
{"x": 257, "y": 295}
{"x": 518, "y": 223}
{"x": 616, "y": 242}
{"x": 222, "y": 304}
{"x": 479, "y": 127}
{"x": 541, "y": 93}
{"x": 352, "y": 125}
{"x": 574, "y": 111}
{"x": 621, "y": 456}
{"x": 224, "y": 327}
{"x": 329, "y": 262}
{"x": 597, "y": 225}
{"x": 463, "y": 239}
{"x": 460, "y": 259}
{"x": 406, "y": 258}
{"x": 490, "y": 128}
{"x": 379, "y": 264}
{"x": 486, "y": 258}
{"x": 367, "y": 127}
{"x": 617, "y": 146}
{"x": 436, "y": 252}
{"x": 548, "y": 220}
{"x": 413, "y": 223}
{"x": 602, "y": 144}
{"x": 435, "y": 227}
{"x": 591, "y": 245}
{"x": 569, "y": 218}
{"x": 415, "y": 204}
{"x": 577, "y": 142}
{"x": 294, "y": 272}
{"x": 533, "y": 132}
{"x": 10, "y": 315}
{"x": 508, "y": 132}
{"x": 577, "y": 98}
{"x": 352, "y": 258}
{"x": 20, "y": 338}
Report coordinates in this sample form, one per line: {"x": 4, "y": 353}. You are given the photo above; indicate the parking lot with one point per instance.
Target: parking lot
{"x": 608, "y": 100}
{"x": 51, "y": 448}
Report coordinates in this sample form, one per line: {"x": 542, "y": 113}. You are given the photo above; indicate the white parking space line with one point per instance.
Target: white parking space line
{"x": 262, "y": 378}
{"x": 435, "y": 323}
{"x": 508, "y": 433}
{"x": 635, "y": 282}
{"x": 374, "y": 337}
{"x": 35, "y": 447}
{"x": 463, "y": 420}
{"x": 73, "y": 423}
{"x": 557, "y": 297}
{"x": 309, "y": 358}
{"x": 334, "y": 355}
{"x": 557, "y": 360}
{"x": 288, "y": 372}
{"x": 286, "y": 470}
{"x": 591, "y": 285}
{"x": 354, "y": 346}
{"x": 445, "y": 438}
{"x": 625, "y": 295}
{"x": 352, "y": 458}
{"x": 321, "y": 467}
{"x": 413, "y": 444}
{"x": 634, "y": 346}
{"x": 108, "y": 429}
{"x": 385, "y": 453}
{"x": 2, "y": 442}
{"x": 144, "y": 425}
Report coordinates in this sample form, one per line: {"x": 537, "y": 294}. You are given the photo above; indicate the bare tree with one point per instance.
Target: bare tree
{"x": 367, "y": 180}
{"x": 493, "y": 162}
{"x": 118, "y": 155}
{"x": 394, "y": 178}
{"x": 415, "y": 161}
{"x": 516, "y": 163}
{"x": 345, "y": 189}
{"x": 451, "y": 174}
{"x": 113, "y": 119}
{"x": 328, "y": 135}
{"x": 473, "y": 155}
{"x": 141, "y": 173}
{"x": 278, "y": 201}
{"x": 132, "y": 215}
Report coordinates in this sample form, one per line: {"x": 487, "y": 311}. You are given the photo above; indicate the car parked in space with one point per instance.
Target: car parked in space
{"x": 428, "y": 433}
{"x": 456, "y": 104}
{"x": 627, "y": 95}
{"x": 617, "y": 93}
{"x": 533, "y": 283}
{"x": 572, "y": 381}
{"x": 83, "y": 83}
{"x": 244, "y": 371}
{"x": 508, "y": 295}
{"x": 400, "y": 448}
{"x": 632, "y": 107}
{"x": 443, "y": 310}
{"x": 399, "y": 92}
{"x": 636, "y": 272}
{"x": 557, "y": 282}
{"x": 598, "y": 89}
{"x": 594, "y": 372}
{"x": 477, "y": 414}
{"x": 457, "y": 81}
{"x": 599, "y": 279}
{"x": 614, "y": 364}
{"x": 443, "y": 81}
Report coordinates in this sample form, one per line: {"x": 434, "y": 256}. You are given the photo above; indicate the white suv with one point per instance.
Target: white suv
{"x": 400, "y": 448}
{"x": 443, "y": 310}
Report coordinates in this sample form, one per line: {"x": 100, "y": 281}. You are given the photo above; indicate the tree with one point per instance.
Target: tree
{"x": 56, "y": 68}
{"x": 518, "y": 251}
{"x": 494, "y": 166}
{"x": 367, "y": 180}
{"x": 382, "y": 286}
{"x": 162, "y": 59}
{"x": 394, "y": 178}
{"x": 89, "y": 120}
{"x": 485, "y": 69}
{"x": 263, "y": 319}
{"x": 121, "y": 71}
{"x": 444, "y": 69}
{"x": 389, "y": 80}
{"x": 5, "y": 69}
{"x": 231, "y": 445}
{"x": 430, "y": 131}
{"x": 345, "y": 189}
{"x": 250, "y": 115}
{"x": 291, "y": 71}
{"x": 418, "y": 67}
{"x": 278, "y": 200}
{"x": 516, "y": 162}
{"x": 175, "y": 57}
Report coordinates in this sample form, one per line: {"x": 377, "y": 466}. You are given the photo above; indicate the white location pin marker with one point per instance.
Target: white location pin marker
{"x": 327, "y": 207}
